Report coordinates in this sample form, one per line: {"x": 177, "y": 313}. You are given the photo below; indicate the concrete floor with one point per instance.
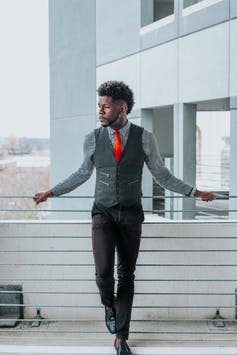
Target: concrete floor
{"x": 166, "y": 339}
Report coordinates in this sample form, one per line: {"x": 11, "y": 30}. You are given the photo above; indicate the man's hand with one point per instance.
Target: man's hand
{"x": 204, "y": 196}
{"x": 42, "y": 196}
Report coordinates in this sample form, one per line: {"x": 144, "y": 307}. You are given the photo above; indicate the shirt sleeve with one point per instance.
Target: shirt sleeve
{"x": 83, "y": 173}
{"x": 159, "y": 171}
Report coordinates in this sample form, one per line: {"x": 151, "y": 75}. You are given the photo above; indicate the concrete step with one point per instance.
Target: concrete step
{"x": 108, "y": 350}
{"x": 89, "y": 338}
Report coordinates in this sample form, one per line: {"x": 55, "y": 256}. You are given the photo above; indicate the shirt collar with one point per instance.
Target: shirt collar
{"x": 122, "y": 130}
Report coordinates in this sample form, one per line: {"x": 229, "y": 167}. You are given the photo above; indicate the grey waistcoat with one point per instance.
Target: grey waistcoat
{"x": 118, "y": 182}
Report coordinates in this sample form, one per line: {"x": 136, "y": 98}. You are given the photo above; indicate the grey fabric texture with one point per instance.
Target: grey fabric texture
{"x": 119, "y": 182}
{"x": 153, "y": 160}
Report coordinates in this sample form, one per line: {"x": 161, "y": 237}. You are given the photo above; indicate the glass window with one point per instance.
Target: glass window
{"x": 155, "y": 10}
{"x": 162, "y": 8}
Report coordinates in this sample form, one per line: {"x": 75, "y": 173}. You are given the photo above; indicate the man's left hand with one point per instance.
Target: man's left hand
{"x": 204, "y": 196}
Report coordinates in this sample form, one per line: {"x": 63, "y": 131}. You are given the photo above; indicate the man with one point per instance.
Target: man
{"x": 118, "y": 150}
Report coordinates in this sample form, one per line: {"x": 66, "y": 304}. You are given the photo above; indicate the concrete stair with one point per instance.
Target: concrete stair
{"x": 108, "y": 350}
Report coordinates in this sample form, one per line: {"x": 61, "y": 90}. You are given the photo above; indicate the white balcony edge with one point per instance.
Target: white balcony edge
{"x": 157, "y": 24}
{"x": 199, "y": 6}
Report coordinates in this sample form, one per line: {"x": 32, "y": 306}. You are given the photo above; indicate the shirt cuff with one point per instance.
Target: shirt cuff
{"x": 192, "y": 192}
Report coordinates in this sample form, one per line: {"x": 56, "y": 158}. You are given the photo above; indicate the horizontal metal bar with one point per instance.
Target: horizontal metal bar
{"x": 188, "y": 250}
{"x": 40, "y": 210}
{"x": 48, "y": 320}
{"x": 43, "y": 251}
{"x": 93, "y": 280}
{"x": 142, "y": 265}
{"x": 141, "y": 251}
{"x": 202, "y": 237}
{"x": 92, "y": 306}
{"x": 99, "y": 306}
{"x": 39, "y": 330}
{"x": 156, "y": 196}
{"x": 184, "y": 237}
{"x": 135, "y": 293}
{"x": 13, "y": 264}
{"x": 77, "y": 211}
{"x": 49, "y": 236}
{"x": 213, "y": 210}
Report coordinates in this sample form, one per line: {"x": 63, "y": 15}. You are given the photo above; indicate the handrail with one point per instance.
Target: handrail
{"x": 212, "y": 210}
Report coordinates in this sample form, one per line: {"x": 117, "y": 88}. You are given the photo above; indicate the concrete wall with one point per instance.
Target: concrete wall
{"x": 195, "y": 67}
{"x": 203, "y": 15}
{"x": 128, "y": 70}
{"x": 204, "y": 64}
{"x": 117, "y": 28}
{"x": 188, "y": 57}
{"x": 195, "y": 63}
{"x": 72, "y": 93}
{"x": 60, "y": 259}
{"x": 233, "y": 58}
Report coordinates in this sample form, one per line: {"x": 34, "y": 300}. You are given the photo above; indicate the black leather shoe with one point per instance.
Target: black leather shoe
{"x": 123, "y": 348}
{"x": 110, "y": 319}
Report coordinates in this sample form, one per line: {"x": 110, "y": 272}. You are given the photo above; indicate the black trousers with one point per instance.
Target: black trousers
{"x": 117, "y": 228}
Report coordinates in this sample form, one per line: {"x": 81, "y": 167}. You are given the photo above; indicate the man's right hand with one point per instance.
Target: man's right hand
{"x": 42, "y": 196}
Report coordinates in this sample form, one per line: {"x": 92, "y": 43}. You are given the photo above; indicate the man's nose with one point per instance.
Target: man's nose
{"x": 101, "y": 110}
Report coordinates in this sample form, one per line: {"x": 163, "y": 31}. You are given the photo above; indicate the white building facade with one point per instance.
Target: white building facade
{"x": 177, "y": 55}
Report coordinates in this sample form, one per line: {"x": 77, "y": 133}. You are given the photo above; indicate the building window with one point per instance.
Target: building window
{"x": 199, "y": 4}
{"x": 155, "y": 10}
{"x": 162, "y": 8}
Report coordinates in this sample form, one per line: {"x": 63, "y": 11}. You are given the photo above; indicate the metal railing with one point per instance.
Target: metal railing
{"x": 214, "y": 210}
{"x": 186, "y": 274}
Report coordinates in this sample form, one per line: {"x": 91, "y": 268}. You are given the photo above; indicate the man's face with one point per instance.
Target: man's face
{"x": 109, "y": 111}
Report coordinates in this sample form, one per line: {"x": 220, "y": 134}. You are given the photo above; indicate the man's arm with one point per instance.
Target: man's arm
{"x": 77, "y": 178}
{"x": 162, "y": 175}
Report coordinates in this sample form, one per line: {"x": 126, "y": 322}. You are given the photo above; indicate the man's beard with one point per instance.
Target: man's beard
{"x": 110, "y": 123}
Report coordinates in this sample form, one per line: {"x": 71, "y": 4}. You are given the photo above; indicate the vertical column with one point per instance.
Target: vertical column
{"x": 178, "y": 8}
{"x": 185, "y": 154}
{"x": 147, "y": 182}
{"x": 163, "y": 131}
{"x": 147, "y": 12}
{"x": 72, "y": 51}
{"x": 169, "y": 201}
{"x": 233, "y": 155}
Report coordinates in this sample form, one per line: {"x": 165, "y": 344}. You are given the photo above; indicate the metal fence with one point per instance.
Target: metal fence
{"x": 21, "y": 207}
{"x": 186, "y": 279}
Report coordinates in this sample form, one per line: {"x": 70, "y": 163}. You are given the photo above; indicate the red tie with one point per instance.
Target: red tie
{"x": 117, "y": 146}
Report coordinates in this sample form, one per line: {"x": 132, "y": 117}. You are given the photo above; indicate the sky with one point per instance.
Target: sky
{"x": 24, "y": 68}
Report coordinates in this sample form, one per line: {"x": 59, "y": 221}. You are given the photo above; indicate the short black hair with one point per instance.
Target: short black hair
{"x": 117, "y": 90}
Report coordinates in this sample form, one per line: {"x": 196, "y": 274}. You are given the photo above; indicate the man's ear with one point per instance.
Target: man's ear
{"x": 124, "y": 108}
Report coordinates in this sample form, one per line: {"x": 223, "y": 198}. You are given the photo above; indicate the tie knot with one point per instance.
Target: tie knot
{"x": 117, "y": 133}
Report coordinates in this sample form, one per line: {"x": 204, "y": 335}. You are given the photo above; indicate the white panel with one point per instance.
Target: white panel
{"x": 203, "y": 64}
{"x": 233, "y": 58}
{"x": 117, "y": 27}
{"x": 67, "y": 151}
{"x": 43, "y": 235}
{"x": 127, "y": 70}
{"x": 159, "y": 75}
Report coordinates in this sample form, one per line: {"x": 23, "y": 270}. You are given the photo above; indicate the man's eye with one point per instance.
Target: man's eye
{"x": 103, "y": 107}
